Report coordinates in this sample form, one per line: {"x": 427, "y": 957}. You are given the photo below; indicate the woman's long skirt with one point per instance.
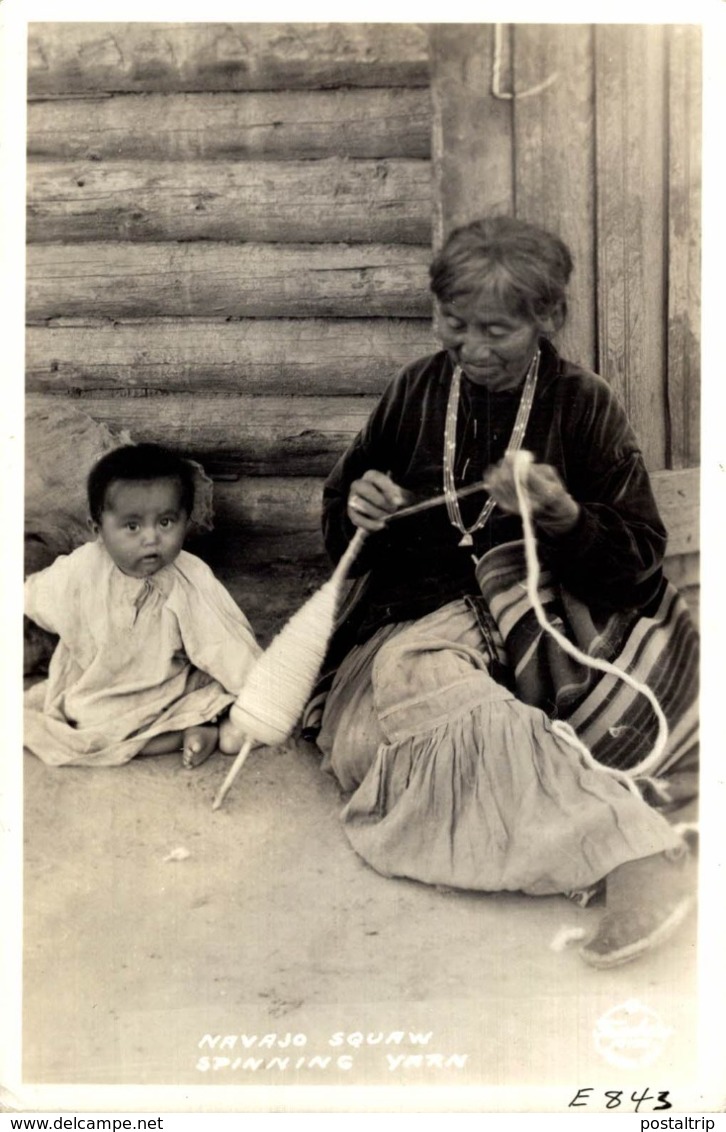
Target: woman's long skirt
{"x": 455, "y": 781}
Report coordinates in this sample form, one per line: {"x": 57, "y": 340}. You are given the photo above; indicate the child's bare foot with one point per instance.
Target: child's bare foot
{"x": 198, "y": 743}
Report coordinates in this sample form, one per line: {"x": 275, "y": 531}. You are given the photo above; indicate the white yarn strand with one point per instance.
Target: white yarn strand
{"x": 522, "y": 461}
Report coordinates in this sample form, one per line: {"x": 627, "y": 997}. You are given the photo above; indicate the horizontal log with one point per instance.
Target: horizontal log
{"x": 243, "y": 547}
{"x": 270, "y": 589}
{"x": 260, "y": 519}
{"x": 269, "y": 504}
{"x": 65, "y": 58}
{"x": 386, "y": 201}
{"x": 260, "y": 126}
{"x": 129, "y": 280}
{"x": 297, "y": 436}
{"x": 331, "y": 357}
{"x": 294, "y": 505}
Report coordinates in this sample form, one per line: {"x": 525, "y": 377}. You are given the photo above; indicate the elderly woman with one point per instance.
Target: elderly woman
{"x": 439, "y": 718}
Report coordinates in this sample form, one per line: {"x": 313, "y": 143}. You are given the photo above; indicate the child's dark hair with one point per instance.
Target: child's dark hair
{"x": 138, "y": 462}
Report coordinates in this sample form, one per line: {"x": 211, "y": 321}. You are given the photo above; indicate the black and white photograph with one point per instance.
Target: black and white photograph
{"x": 361, "y": 358}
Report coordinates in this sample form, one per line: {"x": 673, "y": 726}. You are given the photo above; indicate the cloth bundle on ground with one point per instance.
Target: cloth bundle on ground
{"x": 61, "y": 446}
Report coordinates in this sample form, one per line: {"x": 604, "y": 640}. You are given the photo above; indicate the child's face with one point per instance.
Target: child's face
{"x": 143, "y": 524}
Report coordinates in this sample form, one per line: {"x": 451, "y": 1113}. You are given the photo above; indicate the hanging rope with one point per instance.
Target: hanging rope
{"x": 522, "y": 461}
{"x": 497, "y": 91}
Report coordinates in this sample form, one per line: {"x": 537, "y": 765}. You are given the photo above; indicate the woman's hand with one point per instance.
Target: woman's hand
{"x": 373, "y": 498}
{"x": 553, "y": 508}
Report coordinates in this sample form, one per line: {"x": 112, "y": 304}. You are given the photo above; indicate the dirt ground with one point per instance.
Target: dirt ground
{"x": 269, "y": 924}
{"x": 166, "y": 944}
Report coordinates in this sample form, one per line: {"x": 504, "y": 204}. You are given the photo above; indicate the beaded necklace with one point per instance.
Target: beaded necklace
{"x": 515, "y": 443}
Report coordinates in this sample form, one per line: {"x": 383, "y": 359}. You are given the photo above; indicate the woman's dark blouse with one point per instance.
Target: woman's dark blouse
{"x": 611, "y": 559}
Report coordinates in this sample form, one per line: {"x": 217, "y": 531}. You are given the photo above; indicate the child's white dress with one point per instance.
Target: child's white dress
{"x": 137, "y": 657}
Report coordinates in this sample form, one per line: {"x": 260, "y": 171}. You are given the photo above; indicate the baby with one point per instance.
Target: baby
{"x": 152, "y": 650}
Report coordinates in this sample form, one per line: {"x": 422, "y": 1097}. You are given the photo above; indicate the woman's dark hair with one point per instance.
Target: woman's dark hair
{"x": 138, "y": 462}
{"x": 528, "y": 267}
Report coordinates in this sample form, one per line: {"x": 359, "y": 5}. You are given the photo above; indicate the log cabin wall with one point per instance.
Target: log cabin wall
{"x": 229, "y": 228}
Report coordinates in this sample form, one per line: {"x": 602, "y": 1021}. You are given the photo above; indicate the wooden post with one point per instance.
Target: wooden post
{"x": 684, "y": 262}
{"x": 513, "y": 133}
{"x": 472, "y": 130}
{"x": 554, "y": 158}
{"x": 631, "y": 220}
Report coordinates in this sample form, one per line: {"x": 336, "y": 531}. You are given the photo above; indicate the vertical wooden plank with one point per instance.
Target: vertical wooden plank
{"x": 472, "y": 130}
{"x": 630, "y": 108}
{"x": 554, "y": 157}
{"x": 684, "y": 263}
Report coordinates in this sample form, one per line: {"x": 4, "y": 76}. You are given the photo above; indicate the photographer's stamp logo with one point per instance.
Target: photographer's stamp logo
{"x": 631, "y": 1035}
